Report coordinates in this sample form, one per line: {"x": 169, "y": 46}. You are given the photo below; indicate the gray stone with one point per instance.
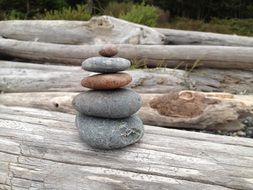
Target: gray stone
{"x": 119, "y": 103}
{"x": 109, "y": 133}
{"x": 105, "y": 64}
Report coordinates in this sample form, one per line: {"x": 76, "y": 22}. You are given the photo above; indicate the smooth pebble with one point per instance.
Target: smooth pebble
{"x": 109, "y": 133}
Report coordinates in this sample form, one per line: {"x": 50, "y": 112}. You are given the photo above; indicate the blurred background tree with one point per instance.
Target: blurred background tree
{"x": 224, "y": 16}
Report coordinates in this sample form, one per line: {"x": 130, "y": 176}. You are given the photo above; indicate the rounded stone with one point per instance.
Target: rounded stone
{"x": 105, "y": 64}
{"x": 109, "y": 133}
{"x": 108, "y": 51}
{"x": 119, "y": 103}
{"x": 106, "y": 81}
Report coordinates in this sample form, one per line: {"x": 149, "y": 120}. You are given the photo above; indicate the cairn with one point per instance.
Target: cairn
{"x": 106, "y": 116}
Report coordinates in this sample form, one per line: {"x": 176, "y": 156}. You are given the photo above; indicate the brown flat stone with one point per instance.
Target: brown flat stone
{"x": 108, "y": 51}
{"x": 106, "y": 81}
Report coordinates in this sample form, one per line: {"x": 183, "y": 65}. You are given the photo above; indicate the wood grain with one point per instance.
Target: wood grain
{"x": 226, "y": 113}
{"x": 106, "y": 29}
{"x": 183, "y": 37}
{"x": 98, "y": 30}
{"x": 151, "y": 55}
{"x": 27, "y": 77}
{"x": 42, "y": 150}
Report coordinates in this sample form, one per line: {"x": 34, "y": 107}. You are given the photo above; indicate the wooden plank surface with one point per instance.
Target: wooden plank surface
{"x": 42, "y": 150}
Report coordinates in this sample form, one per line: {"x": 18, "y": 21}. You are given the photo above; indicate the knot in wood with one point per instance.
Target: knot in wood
{"x": 182, "y": 104}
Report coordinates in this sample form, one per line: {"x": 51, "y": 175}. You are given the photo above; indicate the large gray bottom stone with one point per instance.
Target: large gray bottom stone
{"x": 119, "y": 103}
{"x": 109, "y": 133}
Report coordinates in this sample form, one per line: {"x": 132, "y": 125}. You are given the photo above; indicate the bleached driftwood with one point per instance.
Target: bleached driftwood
{"x": 42, "y": 150}
{"x": 183, "y": 37}
{"x": 150, "y": 55}
{"x": 185, "y": 109}
{"x": 197, "y": 110}
{"x": 106, "y": 29}
{"x": 98, "y": 30}
{"x": 26, "y": 77}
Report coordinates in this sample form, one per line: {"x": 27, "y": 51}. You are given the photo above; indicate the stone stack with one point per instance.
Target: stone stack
{"x": 106, "y": 114}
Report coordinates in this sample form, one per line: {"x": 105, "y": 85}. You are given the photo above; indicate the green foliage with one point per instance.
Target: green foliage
{"x": 184, "y": 14}
{"x": 26, "y": 9}
{"x": 194, "y": 9}
{"x": 224, "y": 26}
{"x": 67, "y": 13}
{"x": 14, "y": 15}
{"x": 236, "y": 26}
{"x": 116, "y": 9}
{"x": 206, "y": 9}
{"x": 142, "y": 14}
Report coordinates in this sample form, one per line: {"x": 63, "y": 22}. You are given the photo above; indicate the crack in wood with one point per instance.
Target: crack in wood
{"x": 190, "y": 179}
{"x": 43, "y": 159}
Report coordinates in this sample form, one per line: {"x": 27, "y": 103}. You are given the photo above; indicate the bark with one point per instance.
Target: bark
{"x": 27, "y": 77}
{"x": 185, "y": 109}
{"x": 149, "y": 55}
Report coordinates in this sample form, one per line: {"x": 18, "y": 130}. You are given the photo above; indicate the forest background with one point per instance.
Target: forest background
{"x": 221, "y": 16}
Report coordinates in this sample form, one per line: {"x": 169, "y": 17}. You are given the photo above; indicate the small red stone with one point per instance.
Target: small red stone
{"x": 108, "y": 51}
{"x": 106, "y": 81}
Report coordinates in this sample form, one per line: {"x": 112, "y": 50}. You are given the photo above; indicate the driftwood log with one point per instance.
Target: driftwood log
{"x": 106, "y": 29}
{"x": 98, "y": 30}
{"x": 197, "y": 110}
{"x": 42, "y": 150}
{"x": 185, "y": 109}
{"x": 27, "y": 77}
{"x": 182, "y": 37}
{"x": 150, "y": 55}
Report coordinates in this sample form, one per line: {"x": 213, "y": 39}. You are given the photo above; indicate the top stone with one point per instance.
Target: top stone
{"x": 105, "y": 64}
{"x": 108, "y": 51}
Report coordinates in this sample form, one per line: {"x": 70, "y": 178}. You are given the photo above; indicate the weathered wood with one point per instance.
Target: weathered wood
{"x": 52, "y": 101}
{"x": 38, "y": 147}
{"x": 185, "y": 109}
{"x": 106, "y": 29}
{"x": 182, "y": 37}
{"x": 26, "y": 77}
{"x": 197, "y": 110}
{"x": 98, "y": 30}
{"x": 150, "y": 55}
{"x": 171, "y": 56}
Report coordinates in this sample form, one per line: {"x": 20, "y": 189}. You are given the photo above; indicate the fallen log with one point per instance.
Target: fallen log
{"x": 185, "y": 109}
{"x": 149, "y": 55}
{"x": 182, "y": 37}
{"x": 196, "y": 110}
{"x": 38, "y": 147}
{"x": 98, "y": 30}
{"x": 27, "y": 77}
{"x": 106, "y": 29}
